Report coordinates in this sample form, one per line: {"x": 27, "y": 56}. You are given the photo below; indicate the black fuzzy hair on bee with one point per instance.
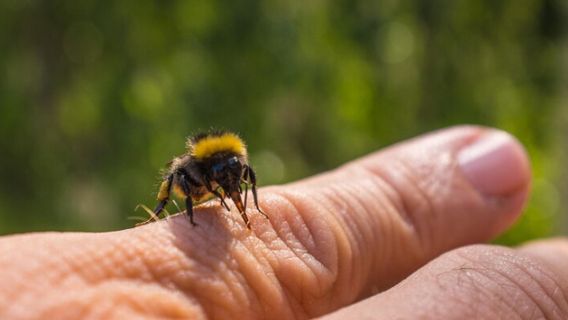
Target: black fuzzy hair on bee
{"x": 213, "y": 132}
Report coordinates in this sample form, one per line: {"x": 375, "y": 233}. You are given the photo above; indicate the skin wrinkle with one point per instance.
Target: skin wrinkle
{"x": 298, "y": 310}
{"x": 425, "y": 202}
{"x": 422, "y": 211}
{"x": 480, "y": 262}
{"x": 295, "y": 201}
{"x": 368, "y": 211}
{"x": 478, "y": 293}
{"x": 518, "y": 283}
{"x": 291, "y": 231}
{"x": 475, "y": 272}
{"x": 264, "y": 290}
{"x": 549, "y": 300}
{"x": 560, "y": 292}
{"x": 344, "y": 253}
{"x": 471, "y": 309}
{"x": 337, "y": 197}
{"x": 315, "y": 217}
{"x": 267, "y": 292}
{"x": 241, "y": 248}
{"x": 395, "y": 175}
{"x": 287, "y": 254}
{"x": 197, "y": 268}
{"x": 405, "y": 235}
{"x": 148, "y": 253}
{"x": 536, "y": 271}
{"x": 274, "y": 247}
{"x": 234, "y": 254}
{"x": 328, "y": 218}
{"x": 513, "y": 268}
{"x": 410, "y": 206}
{"x": 229, "y": 293}
{"x": 433, "y": 145}
{"x": 380, "y": 216}
{"x": 391, "y": 220}
{"x": 556, "y": 282}
{"x": 401, "y": 206}
{"x": 522, "y": 296}
{"x": 164, "y": 263}
{"x": 479, "y": 288}
{"x": 291, "y": 202}
{"x": 235, "y": 282}
{"x": 336, "y": 203}
{"x": 259, "y": 249}
{"x": 417, "y": 296}
{"x": 290, "y": 300}
{"x": 366, "y": 176}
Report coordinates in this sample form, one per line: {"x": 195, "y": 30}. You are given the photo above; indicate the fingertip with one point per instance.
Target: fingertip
{"x": 496, "y": 164}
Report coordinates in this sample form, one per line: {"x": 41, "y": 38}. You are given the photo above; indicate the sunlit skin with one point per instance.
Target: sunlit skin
{"x": 331, "y": 240}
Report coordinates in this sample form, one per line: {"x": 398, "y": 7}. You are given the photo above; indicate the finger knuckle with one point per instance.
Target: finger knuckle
{"x": 306, "y": 249}
{"x": 410, "y": 199}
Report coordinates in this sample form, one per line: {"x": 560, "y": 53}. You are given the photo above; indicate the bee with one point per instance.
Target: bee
{"x": 215, "y": 165}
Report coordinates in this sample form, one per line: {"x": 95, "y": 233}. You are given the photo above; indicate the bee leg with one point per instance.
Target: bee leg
{"x": 164, "y": 194}
{"x": 251, "y": 177}
{"x": 246, "y": 219}
{"x": 189, "y": 209}
{"x": 188, "y": 200}
{"x": 223, "y": 203}
{"x": 216, "y": 193}
{"x": 246, "y": 182}
{"x": 160, "y": 206}
{"x": 163, "y": 197}
{"x": 246, "y": 193}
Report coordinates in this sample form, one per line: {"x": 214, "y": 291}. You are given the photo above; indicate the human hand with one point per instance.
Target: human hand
{"x": 332, "y": 240}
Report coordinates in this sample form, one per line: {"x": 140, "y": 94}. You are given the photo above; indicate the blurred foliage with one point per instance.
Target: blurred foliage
{"x": 95, "y": 96}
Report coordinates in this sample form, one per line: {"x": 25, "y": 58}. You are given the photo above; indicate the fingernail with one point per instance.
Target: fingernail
{"x": 496, "y": 164}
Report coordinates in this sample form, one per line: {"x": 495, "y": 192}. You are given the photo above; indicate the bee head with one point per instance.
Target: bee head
{"x": 227, "y": 172}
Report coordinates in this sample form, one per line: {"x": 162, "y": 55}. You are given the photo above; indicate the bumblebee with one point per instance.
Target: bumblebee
{"x": 214, "y": 166}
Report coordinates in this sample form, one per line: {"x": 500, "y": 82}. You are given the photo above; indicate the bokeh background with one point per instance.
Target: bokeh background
{"x": 96, "y": 96}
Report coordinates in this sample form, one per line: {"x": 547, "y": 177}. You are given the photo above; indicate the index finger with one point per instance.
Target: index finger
{"x": 330, "y": 240}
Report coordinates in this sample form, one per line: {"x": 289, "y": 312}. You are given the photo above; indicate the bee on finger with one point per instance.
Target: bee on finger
{"x": 214, "y": 166}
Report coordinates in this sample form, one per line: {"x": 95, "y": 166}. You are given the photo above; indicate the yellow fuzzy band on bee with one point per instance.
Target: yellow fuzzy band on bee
{"x": 163, "y": 193}
{"x": 227, "y": 142}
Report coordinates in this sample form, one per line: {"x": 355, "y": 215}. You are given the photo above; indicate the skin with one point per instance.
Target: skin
{"x": 383, "y": 237}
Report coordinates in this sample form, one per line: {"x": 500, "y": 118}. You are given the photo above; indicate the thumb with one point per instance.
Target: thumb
{"x": 390, "y": 212}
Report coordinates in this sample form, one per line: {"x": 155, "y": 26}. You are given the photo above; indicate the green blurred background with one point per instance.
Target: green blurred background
{"x": 95, "y": 96}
